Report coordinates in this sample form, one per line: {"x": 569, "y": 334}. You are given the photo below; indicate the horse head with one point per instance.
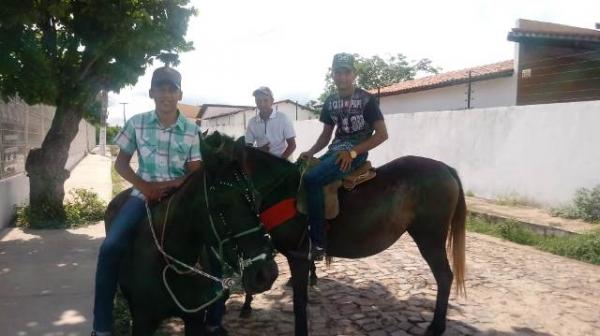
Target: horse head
{"x": 238, "y": 239}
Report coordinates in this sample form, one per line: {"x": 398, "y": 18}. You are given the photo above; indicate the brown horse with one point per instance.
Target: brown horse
{"x": 414, "y": 194}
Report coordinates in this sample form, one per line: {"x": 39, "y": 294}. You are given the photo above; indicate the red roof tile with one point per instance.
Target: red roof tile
{"x": 489, "y": 71}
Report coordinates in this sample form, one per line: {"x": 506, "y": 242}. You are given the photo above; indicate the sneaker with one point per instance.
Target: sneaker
{"x": 216, "y": 331}
{"x": 317, "y": 253}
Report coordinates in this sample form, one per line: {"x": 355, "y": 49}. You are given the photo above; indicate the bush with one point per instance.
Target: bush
{"x": 586, "y": 205}
{"x": 583, "y": 247}
{"x": 82, "y": 208}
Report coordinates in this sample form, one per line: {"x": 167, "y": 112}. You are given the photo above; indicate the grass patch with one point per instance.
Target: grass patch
{"x": 514, "y": 199}
{"x": 118, "y": 183}
{"x": 583, "y": 247}
{"x": 82, "y": 207}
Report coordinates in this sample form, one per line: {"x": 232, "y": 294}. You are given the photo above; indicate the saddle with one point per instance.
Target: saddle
{"x": 360, "y": 175}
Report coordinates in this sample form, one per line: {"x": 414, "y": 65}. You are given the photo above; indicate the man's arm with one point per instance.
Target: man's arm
{"x": 152, "y": 190}
{"x": 377, "y": 139}
{"x": 345, "y": 160}
{"x": 322, "y": 141}
{"x": 291, "y": 147}
{"x": 190, "y": 168}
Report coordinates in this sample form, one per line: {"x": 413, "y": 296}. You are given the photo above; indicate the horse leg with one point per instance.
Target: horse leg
{"x": 433, "y": 249}
{"x": 300, "y": 268}
{"x": 247, "y": 307}
{"x": 194, "y": 325}
{"x": 313, "y": 274}
{"x": 144, "y": 325}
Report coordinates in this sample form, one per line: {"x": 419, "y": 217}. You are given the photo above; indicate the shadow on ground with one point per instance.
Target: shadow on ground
{"x": 46, "y": 281}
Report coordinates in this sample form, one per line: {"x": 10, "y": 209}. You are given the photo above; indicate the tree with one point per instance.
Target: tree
{"x": 375, "y": 72}
{"x": 62, "y": 53}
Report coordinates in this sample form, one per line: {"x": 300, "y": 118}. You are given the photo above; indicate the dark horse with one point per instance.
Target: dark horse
{"x": 414, "y": 194}
{"x": 212, "y": 213}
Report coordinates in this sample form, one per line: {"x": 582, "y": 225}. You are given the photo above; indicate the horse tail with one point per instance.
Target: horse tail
{"x": 456, "y": 239}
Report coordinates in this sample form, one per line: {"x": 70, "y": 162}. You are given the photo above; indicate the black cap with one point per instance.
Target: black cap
{"x": 166, "y": 75}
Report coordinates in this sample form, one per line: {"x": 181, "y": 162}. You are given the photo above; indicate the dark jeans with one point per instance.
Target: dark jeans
{"x": 315, "y": 179}
{"x": 107, "y": 271}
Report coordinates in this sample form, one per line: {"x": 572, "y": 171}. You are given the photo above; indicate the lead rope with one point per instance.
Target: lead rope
{"x": 225, "y": 282}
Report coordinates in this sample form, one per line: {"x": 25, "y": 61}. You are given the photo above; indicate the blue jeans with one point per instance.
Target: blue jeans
{"x": 315, "y": 179}
{"x": 107, "y": 272}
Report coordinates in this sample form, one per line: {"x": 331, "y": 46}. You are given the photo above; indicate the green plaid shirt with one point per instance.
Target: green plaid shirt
{"x": 162, "y": 152}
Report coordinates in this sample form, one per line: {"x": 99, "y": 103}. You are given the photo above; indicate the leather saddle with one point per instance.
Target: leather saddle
{"x": 360, "y": 175}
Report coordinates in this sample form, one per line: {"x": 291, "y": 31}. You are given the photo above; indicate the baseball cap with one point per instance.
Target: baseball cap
{"x": 264, "y": 91}
{"x": 343, "y": 60}
{"x": 166, "y": 75}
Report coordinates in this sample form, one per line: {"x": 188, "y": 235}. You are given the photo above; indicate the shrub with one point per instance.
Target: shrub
{"x": 81, "y": 208}
{"x": 586, "y": 205}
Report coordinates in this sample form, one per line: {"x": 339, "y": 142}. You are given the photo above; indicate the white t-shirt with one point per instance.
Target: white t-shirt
{"x": 273, "y": 131}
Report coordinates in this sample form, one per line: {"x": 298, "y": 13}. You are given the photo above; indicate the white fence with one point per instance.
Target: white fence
{"x": 23, "y": 127}
{"x": 540, "y": 152}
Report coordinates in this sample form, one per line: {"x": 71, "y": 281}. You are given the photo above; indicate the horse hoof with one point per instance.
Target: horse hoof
{"x": 434, "y": 332}
{"x": 245, "y": 313}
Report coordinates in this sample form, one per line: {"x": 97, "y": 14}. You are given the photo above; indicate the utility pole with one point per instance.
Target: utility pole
{"x": 124, "y": 118}
{"x": 103, "y": 114}
{"x": 469, "y": 92}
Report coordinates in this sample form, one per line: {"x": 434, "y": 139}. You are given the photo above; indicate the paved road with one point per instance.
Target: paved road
{"x": 512, "y": 290}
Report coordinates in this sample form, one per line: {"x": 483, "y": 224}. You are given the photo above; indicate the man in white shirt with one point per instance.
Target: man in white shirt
{"x": 270, "y": 130}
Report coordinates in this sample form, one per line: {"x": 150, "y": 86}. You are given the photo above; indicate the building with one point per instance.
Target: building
{"x": 556, "y": 63}
{"x": 231, "y": 115}
{"x": 191, "y": 112}
{"x": 553, "y": 63}
{"x": 483, "y": 86}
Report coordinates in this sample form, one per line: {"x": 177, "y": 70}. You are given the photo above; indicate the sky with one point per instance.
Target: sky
{"x": 289, "y": 45}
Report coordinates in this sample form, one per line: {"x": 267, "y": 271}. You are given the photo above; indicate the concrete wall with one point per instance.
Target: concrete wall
{"x": 487, "y": 93}
{"x": 14, "y": 190}
{"x": 542, "y": 152}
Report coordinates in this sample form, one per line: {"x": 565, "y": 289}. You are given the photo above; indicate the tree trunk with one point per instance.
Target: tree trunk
{"x": 45, "y": 167}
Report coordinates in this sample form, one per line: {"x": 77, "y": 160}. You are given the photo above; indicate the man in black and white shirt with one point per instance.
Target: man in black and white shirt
{"x": 270, "y": 130}
{"x": 359, "y": 125}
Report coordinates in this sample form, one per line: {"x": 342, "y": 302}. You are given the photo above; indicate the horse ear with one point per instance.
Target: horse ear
{"x": 239, "y": 149}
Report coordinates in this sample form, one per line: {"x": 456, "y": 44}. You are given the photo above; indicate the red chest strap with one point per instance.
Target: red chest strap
{"x": 278, "y": 213}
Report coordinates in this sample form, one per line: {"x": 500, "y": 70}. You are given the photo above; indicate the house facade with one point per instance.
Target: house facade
{"x": 230, "y": 115}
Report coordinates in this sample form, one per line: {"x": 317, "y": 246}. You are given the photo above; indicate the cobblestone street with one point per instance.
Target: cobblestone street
{"x": 512, "y": 290}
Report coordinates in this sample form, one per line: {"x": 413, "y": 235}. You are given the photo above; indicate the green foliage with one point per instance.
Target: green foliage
{"x": 84, "y": 207}
{"x": 583, "y": 247}
{"x": 68, "y": 50}
{"x": 111, "y": 133}
{"x": 118, "y": 183}
{"x": 376, "y": 72}
{"x": 586, "y": 205}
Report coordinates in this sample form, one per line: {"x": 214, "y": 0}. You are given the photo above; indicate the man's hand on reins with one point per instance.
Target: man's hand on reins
{"x": 344, "y": 160}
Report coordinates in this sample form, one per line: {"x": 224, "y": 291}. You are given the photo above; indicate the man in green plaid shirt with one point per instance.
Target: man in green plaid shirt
{"x": 168, "y": 148}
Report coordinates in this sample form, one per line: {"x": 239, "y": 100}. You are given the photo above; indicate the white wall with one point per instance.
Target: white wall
{"x": 543, "y": 152}
{"x": 488, "y": 93}
{"x": 15, "y": 190}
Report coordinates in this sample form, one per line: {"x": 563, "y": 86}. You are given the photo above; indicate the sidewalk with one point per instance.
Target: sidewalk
{"x": 47, "y": 276}
{"x": 534, "y": 218}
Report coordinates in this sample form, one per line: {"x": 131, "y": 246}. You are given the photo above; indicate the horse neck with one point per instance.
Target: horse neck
{"x": 183, "y": 235}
